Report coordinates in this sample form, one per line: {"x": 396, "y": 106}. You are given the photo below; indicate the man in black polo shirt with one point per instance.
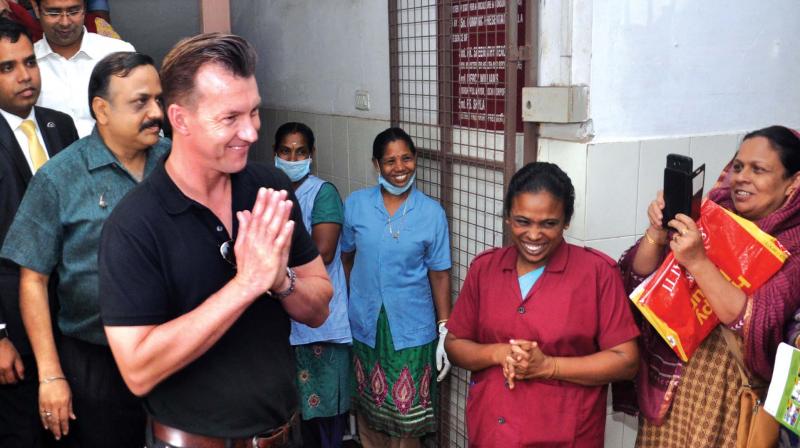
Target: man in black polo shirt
{"x": 197, "y": 291}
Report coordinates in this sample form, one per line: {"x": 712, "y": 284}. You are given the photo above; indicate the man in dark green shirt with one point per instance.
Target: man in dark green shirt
{"x": 57, "y": 230}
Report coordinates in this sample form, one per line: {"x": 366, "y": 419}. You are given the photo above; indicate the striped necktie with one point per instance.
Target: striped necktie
{"x": 35, "y": 148}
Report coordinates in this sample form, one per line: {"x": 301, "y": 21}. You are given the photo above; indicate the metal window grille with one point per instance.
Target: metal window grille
{"x": 454, "y": 90}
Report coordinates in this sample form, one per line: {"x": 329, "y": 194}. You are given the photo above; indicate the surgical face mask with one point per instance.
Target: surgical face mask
{"x": 295, "y": 170}
{"x": 393, "y": 189}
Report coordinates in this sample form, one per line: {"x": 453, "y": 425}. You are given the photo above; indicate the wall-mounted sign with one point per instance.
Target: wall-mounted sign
{"x": 479, "y": 59}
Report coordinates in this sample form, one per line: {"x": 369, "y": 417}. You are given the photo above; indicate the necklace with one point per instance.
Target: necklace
{"x": 395, "y": 231}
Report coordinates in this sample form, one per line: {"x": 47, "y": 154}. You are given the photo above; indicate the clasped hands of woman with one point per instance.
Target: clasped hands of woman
{"x": 526, "y": 361}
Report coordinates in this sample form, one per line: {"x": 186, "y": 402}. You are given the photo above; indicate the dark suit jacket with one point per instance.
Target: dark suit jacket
{"x": 58, "y": 132}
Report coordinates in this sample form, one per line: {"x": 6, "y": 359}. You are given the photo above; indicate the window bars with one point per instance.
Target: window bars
{"x": 455, "y": 88}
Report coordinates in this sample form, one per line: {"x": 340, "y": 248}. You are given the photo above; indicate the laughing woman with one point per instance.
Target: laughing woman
{"x": 396, "y": 254}
{"x": 543, "y": 325}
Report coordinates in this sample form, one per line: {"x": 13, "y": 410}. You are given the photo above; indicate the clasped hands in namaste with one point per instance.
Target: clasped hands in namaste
{"x": 525, "y": 361}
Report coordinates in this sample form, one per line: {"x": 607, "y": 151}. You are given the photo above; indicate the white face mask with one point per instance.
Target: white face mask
{"x": 295, "y": 170}
{"x": 394, "y": 189}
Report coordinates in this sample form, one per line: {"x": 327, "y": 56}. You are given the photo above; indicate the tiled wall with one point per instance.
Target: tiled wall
{"x": 344, "y": 146}
{"x": 614, "y": 183}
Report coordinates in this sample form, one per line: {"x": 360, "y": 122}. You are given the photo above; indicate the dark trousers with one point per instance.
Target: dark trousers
{"x": 108, "y": 414}
{"x": 324, "y": 432}
{"x": 20, "y": 425}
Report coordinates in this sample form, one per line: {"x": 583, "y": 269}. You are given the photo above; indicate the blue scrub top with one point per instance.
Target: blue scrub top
{"x": 393, "y": 257}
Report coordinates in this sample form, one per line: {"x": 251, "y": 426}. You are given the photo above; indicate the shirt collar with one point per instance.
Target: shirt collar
{"x": 86, "y": 47}
{"x": 98, "y": 154}
{"x": 407, "y": 205}
{"x": 556, "y": 263}
{"x": 14, "y": 121}
{"x": 172, "y": 197}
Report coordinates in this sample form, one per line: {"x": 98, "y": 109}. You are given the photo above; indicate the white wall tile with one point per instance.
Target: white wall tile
{"x": 261, "y": 150}
{"x": 269, "y": 123}
{"x": 355, "y": 186}
{"x": 281, "y": 116}
{"x": 611, "y": 183}
{"x": 652, "y": 160}
{"x": 478, "y": 143}
{"x": 629, "y": 431}
{"x": 340, "y": 149}
{"x": 361, "y": 133}
{"x": 574, "y": 241}
{"x": 614, "y": 431}
{"x": 342, "y": 185}
{"x": 543, "y": 150}
{"x": 613, "y": 247}
{"x": 326, "y": 152}
{"x": 571, "y": 157}
{"x": 715, "y": 151}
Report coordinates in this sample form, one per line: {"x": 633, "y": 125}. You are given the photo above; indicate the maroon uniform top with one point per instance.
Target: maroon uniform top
{"x": 576, "y": 308}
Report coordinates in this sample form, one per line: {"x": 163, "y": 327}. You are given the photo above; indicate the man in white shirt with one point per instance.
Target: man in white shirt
{"x": 66, "y": 55}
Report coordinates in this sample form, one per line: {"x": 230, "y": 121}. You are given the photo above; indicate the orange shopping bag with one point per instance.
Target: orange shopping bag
{"x": 670, "y": 298}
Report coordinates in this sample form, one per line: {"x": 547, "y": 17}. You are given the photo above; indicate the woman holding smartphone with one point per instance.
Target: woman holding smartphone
{"x": 697, "y": 403}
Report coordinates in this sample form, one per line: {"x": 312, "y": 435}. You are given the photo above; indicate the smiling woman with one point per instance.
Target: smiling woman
{"x": 396, "y": 255}
{"x": 759, "y": 184}
{"x": 541, "y": 321}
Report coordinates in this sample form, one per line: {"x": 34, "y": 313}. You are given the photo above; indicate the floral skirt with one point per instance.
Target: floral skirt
{"x": 322, "y": 379}
{"x": 394, "y": 391}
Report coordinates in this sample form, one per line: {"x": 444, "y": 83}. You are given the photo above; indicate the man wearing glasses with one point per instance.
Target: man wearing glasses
{"x": 57, "y": 231}
{"x": 66, "y": 55}
{"x": 203, "y": 264}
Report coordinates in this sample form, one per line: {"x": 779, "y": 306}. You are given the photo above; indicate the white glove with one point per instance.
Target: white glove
{"x": 442, "y": 363}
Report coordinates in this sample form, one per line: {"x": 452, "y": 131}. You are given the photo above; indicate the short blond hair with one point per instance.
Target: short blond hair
{"x": 184, "y": 60}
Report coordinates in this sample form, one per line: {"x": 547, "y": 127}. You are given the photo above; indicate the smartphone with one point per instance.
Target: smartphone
{"x": 679, "y": 162}
{"x": 683, "y": 188}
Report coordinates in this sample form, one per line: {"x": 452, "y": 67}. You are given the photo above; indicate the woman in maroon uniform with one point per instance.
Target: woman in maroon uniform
{"x": 543, "y": 325}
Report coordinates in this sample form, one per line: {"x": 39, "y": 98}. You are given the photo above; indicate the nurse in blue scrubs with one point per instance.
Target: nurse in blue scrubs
{"x": 396, "y": 254}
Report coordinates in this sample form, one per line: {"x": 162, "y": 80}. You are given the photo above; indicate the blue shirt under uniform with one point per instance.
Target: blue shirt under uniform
{"x": 527, "y": 281}
{"x": 57, "y": 227}
{"x": 392, "y": 260}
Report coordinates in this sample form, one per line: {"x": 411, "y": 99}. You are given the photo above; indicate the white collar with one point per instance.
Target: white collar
{"x": 86, "y": 46}
{"x": 14, "y": 121}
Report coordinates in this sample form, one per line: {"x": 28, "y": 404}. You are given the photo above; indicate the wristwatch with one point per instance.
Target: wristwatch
{"x": 3, "y": 332}
{"x": 292, "y": 282}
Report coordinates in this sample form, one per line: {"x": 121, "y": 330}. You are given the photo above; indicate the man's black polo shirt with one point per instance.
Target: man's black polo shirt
{"x": 159, "y": 259}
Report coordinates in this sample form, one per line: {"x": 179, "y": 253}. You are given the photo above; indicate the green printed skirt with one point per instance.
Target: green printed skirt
{"x": 394, "y": 391}
{"x": 322, "y": 371}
